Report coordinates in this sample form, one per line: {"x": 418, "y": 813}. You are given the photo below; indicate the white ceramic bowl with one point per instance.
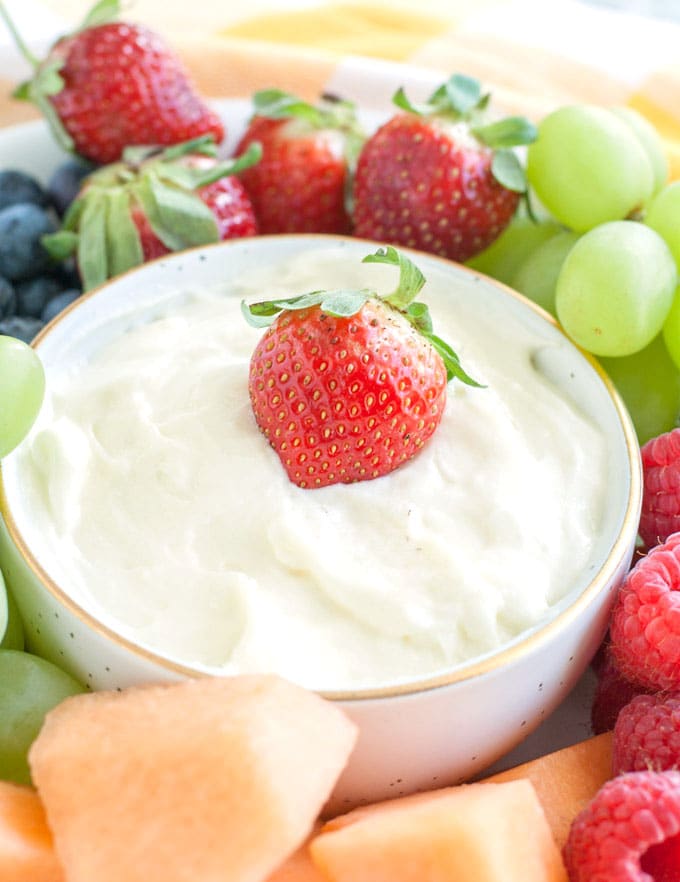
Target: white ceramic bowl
{"x": 440, "y": 729}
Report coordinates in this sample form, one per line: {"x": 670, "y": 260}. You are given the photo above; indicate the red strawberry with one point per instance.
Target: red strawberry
{"x": 301, "y": 183}
{"x": 152, "y": 202}
{"x": 112, "y": 84}
{"x": 346, "y": 385}
{"x": 437, "y": 177}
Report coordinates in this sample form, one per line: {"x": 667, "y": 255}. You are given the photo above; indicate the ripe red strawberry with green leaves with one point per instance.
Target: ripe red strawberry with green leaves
{"x": 308, "y": 154}
{"x": 111, "y": 84}
{"x": 439, "y": 176}
{"x": 155, "y": 200}
{"x": 346, "y": 385}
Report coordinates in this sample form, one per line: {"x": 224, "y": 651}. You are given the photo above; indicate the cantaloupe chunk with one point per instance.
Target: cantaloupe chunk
{"x": 472, "y": 833}
{"x": 26, "y": 850}
{"x": 299, "y": 867}
{"x": 566, "y": 780}
{"x": 200, "y": 780}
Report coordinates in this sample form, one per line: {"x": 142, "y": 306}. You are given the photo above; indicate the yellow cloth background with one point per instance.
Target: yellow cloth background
{"x": 233, "y": 51}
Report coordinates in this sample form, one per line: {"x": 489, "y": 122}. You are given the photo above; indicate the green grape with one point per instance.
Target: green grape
{"x": 663, "y": 216}
{"x": 14, "y": 632}
{"x": 4, "y": 610}
{"x": 671, "y": 330}
{"x": 29, "y": 688}
{"x": 649, "y": 383}
{"x": 502, "y": 258}
{"x": 616, "y": 288}
{"x": 22, "y": 387}
{"x": 537, "y": 276}
{"x": 651, "y": 141}
{"x": 588, "y": 167}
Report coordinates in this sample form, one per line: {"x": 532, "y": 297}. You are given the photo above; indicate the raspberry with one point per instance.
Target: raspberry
{"x": 647, "y": 734}
{"x": 612, "y": 692}
{"x": 630, "y": 831}
{"x": 645, "y": 622}
{"x": 661, "y": 492}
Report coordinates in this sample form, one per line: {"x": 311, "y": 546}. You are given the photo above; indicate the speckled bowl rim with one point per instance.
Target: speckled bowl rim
{"x": 486, "y": 664}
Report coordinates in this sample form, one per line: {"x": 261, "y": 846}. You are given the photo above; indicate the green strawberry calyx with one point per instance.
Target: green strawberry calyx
{"x": 345, "y": 302}
{"x": 47, "y": 80}
{"x": 462, "y": 99}
{"x": 331, "y": 112}
{"x": 99, "y": 227}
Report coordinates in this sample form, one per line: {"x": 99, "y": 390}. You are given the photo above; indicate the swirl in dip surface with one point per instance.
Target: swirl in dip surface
{"x": 163, "y": 511}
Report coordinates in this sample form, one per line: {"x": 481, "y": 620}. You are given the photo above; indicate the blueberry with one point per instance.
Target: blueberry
{"x": 64, "y": 185}
{"x": 19, "y": 326}
{"x": 8, "y": 299}
{"x": 34, "y": 294}
{"x": 56, "y": 304}
{"x": 21, "y": 254}
{"x": 17, "y": 187}
{"x": 67, "y": 273}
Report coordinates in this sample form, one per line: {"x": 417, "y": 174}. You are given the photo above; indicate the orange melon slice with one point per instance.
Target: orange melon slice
{"x": 472, "y": 833}
{"x": 299, "y": 867}
{"x": 187, "y": 781}
{"x": 566, "y": 780}
{"x": 26, "y": 851}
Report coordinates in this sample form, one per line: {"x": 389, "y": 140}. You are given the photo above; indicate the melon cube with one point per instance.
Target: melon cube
{"x": 204, "y": 779}
{"x": 26, "y": 851}
{"x": 566, "y": 780}
{"x": 299, "y": 866}
{"x": 472, "y": 833}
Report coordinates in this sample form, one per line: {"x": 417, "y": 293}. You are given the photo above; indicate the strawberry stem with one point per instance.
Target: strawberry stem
{"x": 46, "y": 81}
{"x": 411, "y": 280}
{"x": 22, "y": 46}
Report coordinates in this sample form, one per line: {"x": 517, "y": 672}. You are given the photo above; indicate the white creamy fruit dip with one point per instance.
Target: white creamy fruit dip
{"x": 163, "y": 509}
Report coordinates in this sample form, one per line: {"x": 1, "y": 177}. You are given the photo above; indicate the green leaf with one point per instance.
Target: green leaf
{"x": 456, "y": 98}
{"x": 194, "y": 178}
{"x": 513, "y": 131}
{"x": 23, "y": 91}
{"x": 123, "y": 243}
{"x": 277, "y": 104}
{"x": 74, "y": 212}
{"x": 300, "y": 301}
{"x": 507, "y": 170}
{"x": 179, "y": 218}
{"x": 143, "y": 192}
{"x": 249, "y": 157}
{"x": 60, "y": 245}
{"x": 463, "y": 93}
{"x": 411, "y": 280}
{"x": 419, "y": 315}
{"x": 101, "y": 13}
{"x": 452, "y": 362}
{"x": 254, "y": 319}
{"x": 48, "y": 79}
{"x": 203, "y": 144}
{"x": 136, "y": 154}
{"x": 47, "y": 82}
{"x": 344, "y": 302}
{"x": 401, "y": 100}
{"x": 262, "y": 313}
{"x": 483, "y": 102}
{"x": 182, "y": 176}
{"x": 92, "y": 253}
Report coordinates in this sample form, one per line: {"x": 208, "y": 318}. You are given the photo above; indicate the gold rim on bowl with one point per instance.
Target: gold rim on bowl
{"x": 464, "y": 671}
